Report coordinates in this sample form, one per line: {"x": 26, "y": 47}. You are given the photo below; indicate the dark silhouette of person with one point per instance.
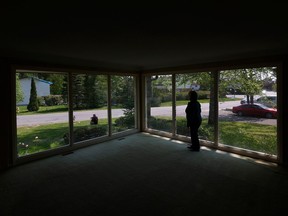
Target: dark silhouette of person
{"x": 194, "y": 119}
{"x": 94, "y": 119}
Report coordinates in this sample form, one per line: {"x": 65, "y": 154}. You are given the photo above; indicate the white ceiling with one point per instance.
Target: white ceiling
{"x": 142, "y": 39}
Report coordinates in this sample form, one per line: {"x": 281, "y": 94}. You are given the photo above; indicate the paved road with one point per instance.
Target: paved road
{"x": 224, "y": 112}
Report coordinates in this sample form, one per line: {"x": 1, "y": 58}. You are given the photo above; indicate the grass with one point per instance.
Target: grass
{"x": 53, "y": 109}
{"x": 44, "y": 137}
{"x": 40, "y": 138}
{"x": 42, "y": 109}
{"x": 257, "y": 137}
{"x": 252, "y": 136}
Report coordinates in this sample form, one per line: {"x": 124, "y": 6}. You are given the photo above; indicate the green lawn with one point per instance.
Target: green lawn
{"x": 252, "y": 136}
{"x": 44, "y": 137}
{"x": 42, "y": 109}
{"x": 262, "y": 138}
{"x": 52, "y": 109}
{"x": 257, "y": 137}
{"x": 40, "y": 138}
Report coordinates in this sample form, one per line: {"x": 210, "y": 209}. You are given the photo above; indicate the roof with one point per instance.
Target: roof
{"x": 40, "y": 80}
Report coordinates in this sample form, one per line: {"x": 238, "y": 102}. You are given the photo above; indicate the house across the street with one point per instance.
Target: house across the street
{"x": 187, "y": 87}
{"x": 42, "y": 88}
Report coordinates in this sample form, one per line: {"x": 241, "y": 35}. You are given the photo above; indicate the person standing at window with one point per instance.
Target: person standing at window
{"x": 194, "y": 119}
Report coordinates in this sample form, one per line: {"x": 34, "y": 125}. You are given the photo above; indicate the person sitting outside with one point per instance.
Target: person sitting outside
{"x": 94, "y": 120}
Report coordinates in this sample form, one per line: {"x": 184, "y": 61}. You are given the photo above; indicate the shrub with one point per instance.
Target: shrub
{"x": 52, "y": 100}
{"x": 85, "y": 133}
{"x": 182, "y": 96}
{"x": 203, "y": 94}
{"x": 205, "y": 131}
{"x": 41, "y": 101}
{"x": 33, "y": 101}
{"x": 160, "y": 124}
{"x": 155, "y": 101}
{"x": 126, "y": 121}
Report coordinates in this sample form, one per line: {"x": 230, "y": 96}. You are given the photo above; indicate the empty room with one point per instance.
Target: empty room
{"x": 95, "y": 111}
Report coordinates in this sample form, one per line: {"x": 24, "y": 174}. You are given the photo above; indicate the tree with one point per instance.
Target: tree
{"x": 125, "y": 92}
{"x": 57, "y": 80}
{"x": 64, "y": 90}
{"x": 149, "y": 84}
{"x": 212, "y": 77}
{"x": 78, "y": 91}
{"x": 89, "y": 91}
{"x": 206, "y": 81}
{"x": 124, "y": 95}
{"x": 95, "y": 90}
{"x": 33, "y": 101}
{"x": 250, "y": 81}
{"x": 101, "y": 92}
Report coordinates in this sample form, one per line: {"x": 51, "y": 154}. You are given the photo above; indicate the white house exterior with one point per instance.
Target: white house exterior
{"x": 194, "y": 87}
{"x": 184, "y": 87}
{"x": 42, "y": 87}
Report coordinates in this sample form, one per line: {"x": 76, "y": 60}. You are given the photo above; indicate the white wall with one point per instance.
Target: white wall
{"x": 43, "y": 89}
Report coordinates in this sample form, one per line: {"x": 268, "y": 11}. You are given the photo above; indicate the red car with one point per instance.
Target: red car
{"x": 255, "y": 109}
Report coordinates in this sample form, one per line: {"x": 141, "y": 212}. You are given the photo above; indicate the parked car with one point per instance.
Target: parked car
{"x": 256, "y": 109}
{"x": 269, "y": 101}
{"x": 243, "y": 101}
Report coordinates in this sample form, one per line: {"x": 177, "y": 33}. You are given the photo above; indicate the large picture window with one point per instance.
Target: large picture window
{"x": 122, "y": 103}
{"x": 203, "y": 84}
{"x": 56, "y": 110}
{"x": 250, "y": 120}
{"x": 89, "y": 96}
{"x": 41, "y": 112}
{"x": 239, "y": 108}
{"x": 159, "y": 102}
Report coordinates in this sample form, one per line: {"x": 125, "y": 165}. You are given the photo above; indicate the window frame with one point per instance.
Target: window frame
{"x": 216, "y": 69}
{"x": 72, "y": 146}
{"x": 140, "y": 103}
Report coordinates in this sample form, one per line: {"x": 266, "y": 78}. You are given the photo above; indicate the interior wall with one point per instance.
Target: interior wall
{"x": 6, "y": 121}
{"x": 284, "y": 129}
